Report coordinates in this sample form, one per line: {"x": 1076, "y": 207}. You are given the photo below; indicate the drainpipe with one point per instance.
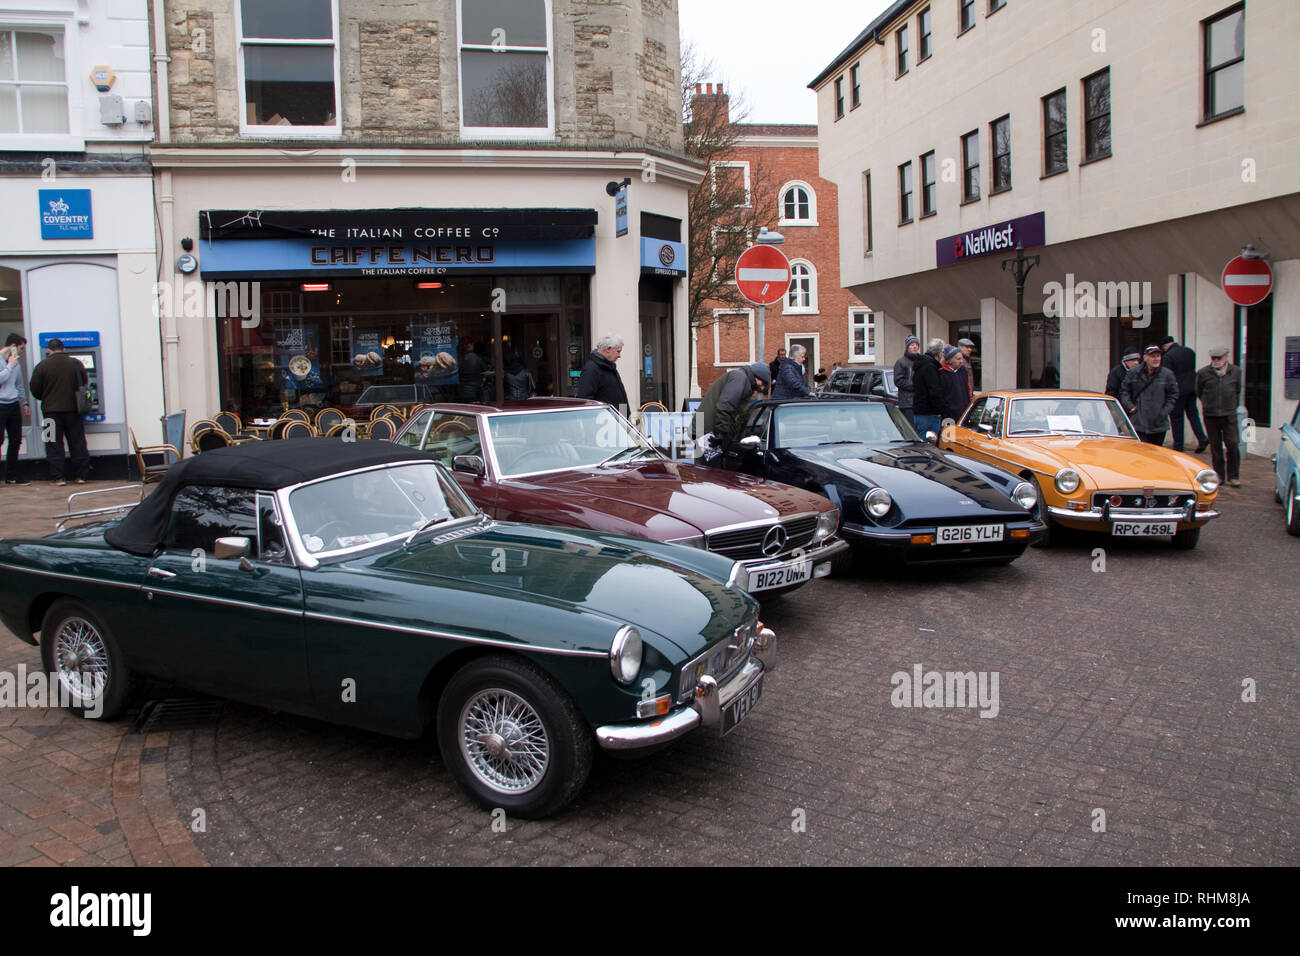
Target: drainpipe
{"x": 163, "y": 120}
{"x": 166, "y": 202}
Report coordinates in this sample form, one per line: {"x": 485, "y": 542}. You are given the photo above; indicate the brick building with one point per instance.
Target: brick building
{"x": 780, "y": 165}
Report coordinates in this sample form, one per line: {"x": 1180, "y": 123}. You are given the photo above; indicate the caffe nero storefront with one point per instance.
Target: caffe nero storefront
{"x": 442, "y": 298}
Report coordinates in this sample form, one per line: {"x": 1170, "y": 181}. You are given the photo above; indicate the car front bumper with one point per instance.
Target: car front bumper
{"x": 711, "y": 699}
{"x": 1108, "y": 515}
{"x": 897, "y": 542}
{"x": 815, "y": 557}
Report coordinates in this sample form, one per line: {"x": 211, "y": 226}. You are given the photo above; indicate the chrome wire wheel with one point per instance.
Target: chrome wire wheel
{"x": 81, "y": 659}
{"x": 504, "y": 741}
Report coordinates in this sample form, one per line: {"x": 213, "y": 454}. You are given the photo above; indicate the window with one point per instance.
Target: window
{"x": 201, "y": 514}
{"x": 1225, "y": 63}
{"x": 730, "y": 183}
{"x": 905, "y": 193}
{"x": 288, "y": 66}
{"x": 34, "y": 88}
{"x": 802, "y": 294}
{"x": 862, "y": 335}
{"x": 923, "y": 49}
{"x": 1054, "y": 154}
{"x": 966, "y": 16}
{"x": 927, "y": 184}
{"x": 996, "y": 5}
{"x": 733, "y": 337}
{"x": 1000, "y": 132}
{"x": 970, "y": 162}
{"x": 839, "y": 97}
{"x": 855, "y": 86}
{"x": 505, "y": 69}
{"x": 866, "y": 214}
{"x": 798, "y": 205}
{"x": 1096, "y": 111}
{"x": 901, "y": 38}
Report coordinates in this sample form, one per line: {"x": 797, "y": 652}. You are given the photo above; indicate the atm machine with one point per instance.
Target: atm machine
{"x": 85, "y": 348}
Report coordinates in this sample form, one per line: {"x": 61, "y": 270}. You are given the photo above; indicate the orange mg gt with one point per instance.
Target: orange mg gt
{"x": 1093, "y": 472}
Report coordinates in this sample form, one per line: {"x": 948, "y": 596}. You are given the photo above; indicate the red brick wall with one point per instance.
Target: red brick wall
{"x": 818, "y": 245}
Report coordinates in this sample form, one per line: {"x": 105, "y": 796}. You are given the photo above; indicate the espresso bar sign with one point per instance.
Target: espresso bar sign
{"x": 1001, "y": 237}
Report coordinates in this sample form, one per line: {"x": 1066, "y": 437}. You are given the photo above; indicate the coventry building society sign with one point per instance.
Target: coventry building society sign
{"x": 65, "y": 214}
{"x": 1027, "y": 231}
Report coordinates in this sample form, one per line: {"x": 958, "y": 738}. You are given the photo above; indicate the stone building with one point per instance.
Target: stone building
{"x": 1135, "y": 147}
{"x": 392, "y": 180}
{"x": 780, "y": 163}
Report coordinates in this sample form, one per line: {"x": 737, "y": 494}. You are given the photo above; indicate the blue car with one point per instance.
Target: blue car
{"x": 1286, "y": 477}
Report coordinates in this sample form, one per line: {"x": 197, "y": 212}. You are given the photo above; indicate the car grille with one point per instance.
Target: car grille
{"x": 1140, "y": 499}
{"x": 721, "y": 661}
{"x": 746, "y": 544}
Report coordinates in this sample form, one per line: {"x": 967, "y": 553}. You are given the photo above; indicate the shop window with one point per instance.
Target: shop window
{"x": 1225, "y": 63}
{"x": 1000, "y": 132}
{"x": 928, "y": 187}
{"x": 862, "y": 335}
{"x": 506, "y": 70}
{"x": 1096, "y": 105}
{"x": 33, "y": 87}
{"x": 801, "y": 297}
{"x": 1038, "y": 359}
{"x": 970, "y": 161}
{"x": 288, "y": 64}
{"x": 798, "y": 205}
{"x": 1055, "y": 158}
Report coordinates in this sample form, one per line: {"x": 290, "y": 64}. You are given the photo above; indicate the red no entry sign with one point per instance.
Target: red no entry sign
{"x": 1247, "y": 281}
{"x": 763, "y": 274}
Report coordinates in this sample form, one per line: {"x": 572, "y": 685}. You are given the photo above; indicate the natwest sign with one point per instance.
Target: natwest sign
{"x": 1001, "y": 237}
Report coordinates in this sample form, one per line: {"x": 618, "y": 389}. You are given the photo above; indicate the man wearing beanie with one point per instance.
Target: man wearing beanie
{"x": 724, "y": 405}
{"x": 952, "y": 386}
{"x": 1116, "y": 377}
{"x": 927, "y": 396}
{"x": 904, "y": 369}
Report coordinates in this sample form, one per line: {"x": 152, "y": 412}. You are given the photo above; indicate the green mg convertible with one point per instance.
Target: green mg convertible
{"x": 355, "y": 583}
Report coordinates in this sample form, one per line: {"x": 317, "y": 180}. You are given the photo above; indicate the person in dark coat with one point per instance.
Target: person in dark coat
{"x": 791, "y": 380}
{"x": 13, "y": 404}
{"x": 518, "y": 381}
{"x": 1218, "y": 386}
{"x": 1149, "y": 394}
{"x": 927, "y": 397}
{"x": 967, "y": 347}
{"x": 952, "y": 385}
{"x": 903, "y": 371}
{"x": 775, "y": 365}
{"x": 724, "y": 404}
{"x": 1116, "y": 377}
{"x": 599, "y": 379}
{"x": 1181, "y": 361}
{"x": 470, "y": 388}
{"x": 55, "y": 381}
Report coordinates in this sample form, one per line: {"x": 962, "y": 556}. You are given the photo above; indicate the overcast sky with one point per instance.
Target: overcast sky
{"x": 771, "y": 49}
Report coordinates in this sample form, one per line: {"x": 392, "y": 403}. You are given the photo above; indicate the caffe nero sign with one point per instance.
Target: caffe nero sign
{"x": 1001, "y": 237}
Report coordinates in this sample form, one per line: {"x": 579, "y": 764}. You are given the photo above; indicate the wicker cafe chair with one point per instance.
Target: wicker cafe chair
{"x": 386, "y": 411}
{"x": 202, "y": 426}
{"x": 338, "y": 429}
{"x": 327, "y": 418}
{"x": 297, "y": 429}
{"x": 228, "y": 422}
{"x": 654, "y": 407}
{"x": 210, "y": 439}
{"x": 382, "y": 428}
{"x": 297, "y": 413}
{"x": 155, "y": 471}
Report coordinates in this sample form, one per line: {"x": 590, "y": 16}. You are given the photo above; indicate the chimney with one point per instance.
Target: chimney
{"x": 709, "y": 96}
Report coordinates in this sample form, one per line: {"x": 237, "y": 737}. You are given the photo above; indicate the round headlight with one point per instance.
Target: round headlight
{"x": 878, "y": 501}
{"x": 625, "y": 654}
{"x": 1067, "y": 481}
{"x": 1207, "y": 481}
{"x": 1025, "y": 495}
{"x": 826, "y": 524}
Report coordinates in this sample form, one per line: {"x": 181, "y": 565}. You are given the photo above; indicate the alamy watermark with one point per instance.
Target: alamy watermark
{"x": 951, "y": 689}
{"x": 194, "y": 298}
{"x": 39, "y": 690}
{"x": 1097, "y": 300}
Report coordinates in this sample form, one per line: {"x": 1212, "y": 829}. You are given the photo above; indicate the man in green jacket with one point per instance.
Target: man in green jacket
{"x": 55, "y": 381}
{"x": 1218, "y": 386}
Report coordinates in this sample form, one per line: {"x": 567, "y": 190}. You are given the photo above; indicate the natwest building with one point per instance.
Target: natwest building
{"x": 1135, "y": 150}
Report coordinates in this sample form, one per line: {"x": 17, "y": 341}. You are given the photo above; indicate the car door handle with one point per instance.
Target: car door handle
{"x": 160, "y": 574}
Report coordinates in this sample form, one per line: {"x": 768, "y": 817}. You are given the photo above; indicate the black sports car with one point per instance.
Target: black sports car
{"x": 899, "y": 496}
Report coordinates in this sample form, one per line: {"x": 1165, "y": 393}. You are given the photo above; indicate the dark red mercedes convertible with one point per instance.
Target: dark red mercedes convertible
{"x": 581, "y": 464}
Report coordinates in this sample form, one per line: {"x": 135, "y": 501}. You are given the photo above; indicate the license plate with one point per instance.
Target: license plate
{"x": 739, "y": 708}
{"x": 1143, "y": 529}
{"x": 969, "y": 533}
{"x": 794, "y": 573}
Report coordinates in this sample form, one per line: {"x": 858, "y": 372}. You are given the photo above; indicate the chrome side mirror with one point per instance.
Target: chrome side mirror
{"x": 751, "y": 442}
{"x": 469, "y": 465}
{"x": 232, "y": 547}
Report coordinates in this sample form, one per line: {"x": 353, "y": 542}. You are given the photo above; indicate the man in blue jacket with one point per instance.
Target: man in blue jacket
{"x": 791, "y": 380}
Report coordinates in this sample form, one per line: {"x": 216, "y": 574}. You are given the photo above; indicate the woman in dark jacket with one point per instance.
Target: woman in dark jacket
{"x": 518, "y": 381}
{"x": 952, "y": 385}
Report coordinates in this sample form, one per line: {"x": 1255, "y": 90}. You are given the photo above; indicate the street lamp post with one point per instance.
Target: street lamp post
{"x": 767, "y": 238}
{"x": 1019, "y": 267}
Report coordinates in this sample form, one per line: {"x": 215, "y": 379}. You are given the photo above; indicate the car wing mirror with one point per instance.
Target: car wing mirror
{"x": 751, "y": 442}
{"x": 469, "y": 465}
{"x": 232, "y": 547}
{"x": 986, "y": 427}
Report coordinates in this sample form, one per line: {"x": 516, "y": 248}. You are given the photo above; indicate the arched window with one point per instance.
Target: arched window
{"x": 802, "y": 294}
{"x": 798, "y": 205}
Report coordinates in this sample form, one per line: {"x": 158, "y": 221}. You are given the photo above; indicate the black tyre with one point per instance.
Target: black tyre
{"x": 1187, "y": 539}
{"x": 1292, "y": 510}
{"x": 87, "y": 667}
{"x": 1046, "y": 540}
{"x": 513, "y": 738}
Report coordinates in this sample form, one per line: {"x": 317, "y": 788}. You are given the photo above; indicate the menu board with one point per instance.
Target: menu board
{"x": 367, "y": 353}
{"x": 433, "y": 353}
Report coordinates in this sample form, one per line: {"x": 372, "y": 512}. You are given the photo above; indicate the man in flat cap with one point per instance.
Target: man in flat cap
{"x": 967, "y": 370}
{"x": 1148, "y": 393}
{"x": 1218, "y": 386}
{"x": 1130, "y": 360}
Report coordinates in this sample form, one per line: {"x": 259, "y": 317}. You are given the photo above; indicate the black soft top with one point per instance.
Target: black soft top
{"x": 260, "y": 465}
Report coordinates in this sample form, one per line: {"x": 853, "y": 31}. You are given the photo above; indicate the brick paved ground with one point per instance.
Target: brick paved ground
{"x": 1119, "y": 691}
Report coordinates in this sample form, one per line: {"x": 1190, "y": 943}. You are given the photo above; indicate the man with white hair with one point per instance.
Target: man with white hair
{"x": 791, "y": 381}
{"x": 599, "y": 379}
{"x": 927, "y": 395}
